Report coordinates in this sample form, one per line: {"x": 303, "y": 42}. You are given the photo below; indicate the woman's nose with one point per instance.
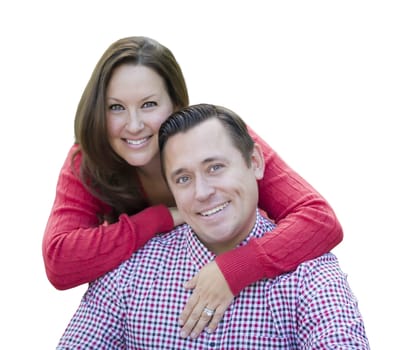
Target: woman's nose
{"x": 134, "y": 122}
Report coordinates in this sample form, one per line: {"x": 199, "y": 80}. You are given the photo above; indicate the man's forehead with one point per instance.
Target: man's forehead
{"x": 202, "y": 144}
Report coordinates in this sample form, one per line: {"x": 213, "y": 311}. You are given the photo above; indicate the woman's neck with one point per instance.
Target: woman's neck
{"x": 154, "y": 184}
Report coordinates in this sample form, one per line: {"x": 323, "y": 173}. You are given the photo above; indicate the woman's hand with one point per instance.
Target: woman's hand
{"x": 211, "y": 291}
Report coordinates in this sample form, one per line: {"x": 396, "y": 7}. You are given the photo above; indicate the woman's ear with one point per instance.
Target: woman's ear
{"x": 258, "y": 162}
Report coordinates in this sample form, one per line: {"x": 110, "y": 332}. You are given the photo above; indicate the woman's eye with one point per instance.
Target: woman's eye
{"x": 116, "y": 107}
{"x": 149, "y": 104}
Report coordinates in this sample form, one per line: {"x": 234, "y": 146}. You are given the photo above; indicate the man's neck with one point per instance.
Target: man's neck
{"x": 220, "y": 248}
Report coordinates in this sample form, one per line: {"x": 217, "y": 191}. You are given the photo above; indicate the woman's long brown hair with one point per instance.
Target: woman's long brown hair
{"x": 103, "y": 172}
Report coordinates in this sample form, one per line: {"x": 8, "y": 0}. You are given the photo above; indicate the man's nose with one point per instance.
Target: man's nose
{"x": 203, "y": 188}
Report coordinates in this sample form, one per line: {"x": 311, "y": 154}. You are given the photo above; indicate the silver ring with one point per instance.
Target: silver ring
{"x": 209, "y": 312}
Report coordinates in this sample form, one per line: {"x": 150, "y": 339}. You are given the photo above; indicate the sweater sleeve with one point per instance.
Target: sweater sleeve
{"x": 76, "y": 249}
{"x": 306, "y": 226}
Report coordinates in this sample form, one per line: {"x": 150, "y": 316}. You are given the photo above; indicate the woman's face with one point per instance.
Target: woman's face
{"x": 137, "y": 103}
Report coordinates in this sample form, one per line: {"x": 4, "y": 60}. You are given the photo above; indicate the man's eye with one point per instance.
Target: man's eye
{"x": 149, "y": 104}
{"x": 216, "y": 167}
{"x": 116, "y": 107}
{"x": 182, "y": 179}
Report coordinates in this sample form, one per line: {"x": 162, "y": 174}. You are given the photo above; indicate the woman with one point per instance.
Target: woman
{"x": 111, "y": 197}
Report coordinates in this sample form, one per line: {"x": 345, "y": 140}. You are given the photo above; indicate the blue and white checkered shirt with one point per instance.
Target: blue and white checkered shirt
{"x": 137, "y": 305}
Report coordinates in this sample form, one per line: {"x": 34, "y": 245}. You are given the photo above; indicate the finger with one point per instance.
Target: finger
{"x": 191, "y": 284}
{"x": 217, "y": 317}
{"x": 192, "y": 320}
{"x": 188, "y": 308}
{"x": 202, "y": 323}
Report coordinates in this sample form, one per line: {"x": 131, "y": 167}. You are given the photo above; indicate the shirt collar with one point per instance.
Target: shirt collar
{"x": 200, "y": 255}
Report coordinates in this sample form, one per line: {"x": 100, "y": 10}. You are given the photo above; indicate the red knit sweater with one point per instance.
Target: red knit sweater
{"x": 77, "y": 250}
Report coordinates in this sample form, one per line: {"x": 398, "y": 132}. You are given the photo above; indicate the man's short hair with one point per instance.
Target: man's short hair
{"x": 188, "y": 117}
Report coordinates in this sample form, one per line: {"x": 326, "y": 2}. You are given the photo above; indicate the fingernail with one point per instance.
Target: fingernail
{"x": 183, "y": 334}
{"x": 180, "y": 322}
{"x": 193, "y": 335}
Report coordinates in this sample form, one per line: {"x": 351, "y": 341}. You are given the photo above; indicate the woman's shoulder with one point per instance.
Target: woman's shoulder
{"x": 74, "y": 157}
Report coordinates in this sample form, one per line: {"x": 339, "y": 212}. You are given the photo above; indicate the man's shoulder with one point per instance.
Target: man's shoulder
{"x": 317, "y": 273}
{"x": 149, "y": 257}
{"x": 323, "y": 268}
{"x": 170, "y": 238}
{"x": 155, "y": 253}
{"x": 327, "y": 261}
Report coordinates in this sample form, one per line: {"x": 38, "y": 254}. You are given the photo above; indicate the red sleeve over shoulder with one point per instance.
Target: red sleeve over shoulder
{"x": 306, "y": 226}
{"x": 76, "y": 249}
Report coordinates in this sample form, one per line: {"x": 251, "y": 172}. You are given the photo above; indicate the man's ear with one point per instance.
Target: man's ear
{"x": 258, "y": 162}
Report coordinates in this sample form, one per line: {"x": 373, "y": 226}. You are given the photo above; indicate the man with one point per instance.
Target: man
{"x": 212, "y": 166}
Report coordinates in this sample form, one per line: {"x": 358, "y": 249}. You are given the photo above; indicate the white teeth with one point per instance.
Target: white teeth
{"x": 136, "y": 142}
{"x": 215, "y": 210}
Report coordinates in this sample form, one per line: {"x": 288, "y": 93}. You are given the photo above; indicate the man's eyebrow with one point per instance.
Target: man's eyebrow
{"x": 212, "y": 159}
{"x": 177, "y": 172}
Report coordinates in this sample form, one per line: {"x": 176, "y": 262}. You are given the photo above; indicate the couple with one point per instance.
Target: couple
{"x": 111, "y": 196}
{"x": 212, "y": 166}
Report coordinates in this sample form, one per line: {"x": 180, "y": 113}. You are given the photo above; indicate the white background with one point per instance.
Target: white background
{"x": 319, "y": 80}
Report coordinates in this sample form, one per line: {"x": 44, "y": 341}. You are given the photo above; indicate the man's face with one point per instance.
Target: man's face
{"x": 215, "y": 190}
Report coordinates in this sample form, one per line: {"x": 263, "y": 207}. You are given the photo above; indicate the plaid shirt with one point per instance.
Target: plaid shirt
{"x": 137, "y": 305}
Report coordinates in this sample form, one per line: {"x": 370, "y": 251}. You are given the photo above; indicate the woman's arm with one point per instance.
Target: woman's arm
{"x": 76, "y": 249}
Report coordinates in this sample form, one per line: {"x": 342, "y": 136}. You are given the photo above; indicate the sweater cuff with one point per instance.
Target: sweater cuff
{"x": 241, "y": 266}
{"x": 151, "y": 221}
